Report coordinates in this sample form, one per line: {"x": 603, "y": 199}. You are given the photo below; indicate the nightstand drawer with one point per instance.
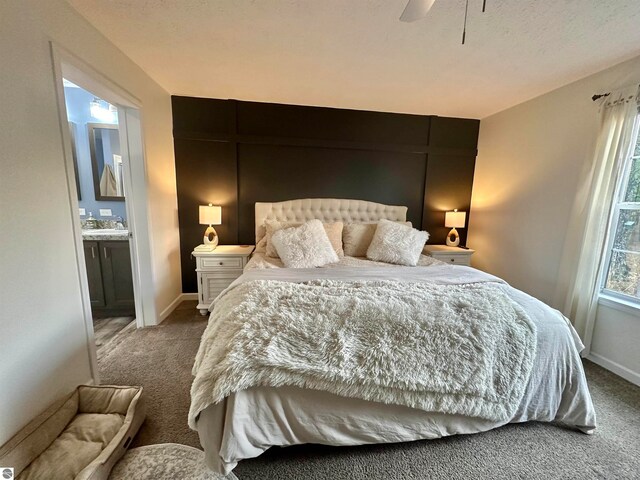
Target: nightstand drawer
{"x": 220, "y": 262}
{"x": 454, "y": 259}
{"x": 450, "y": 255}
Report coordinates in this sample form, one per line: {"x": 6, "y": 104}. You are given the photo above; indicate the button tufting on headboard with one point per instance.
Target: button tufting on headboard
{"x": 327, "y": 210}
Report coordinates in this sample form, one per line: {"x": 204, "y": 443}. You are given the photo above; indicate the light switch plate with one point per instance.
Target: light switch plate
{"x": 105, "y": 212}
{"x": 82, "y": 211}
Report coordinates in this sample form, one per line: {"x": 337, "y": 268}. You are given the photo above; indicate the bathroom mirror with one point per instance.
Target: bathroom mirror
{"x": 74, "y": 154}
{"x": 106, "y": 161}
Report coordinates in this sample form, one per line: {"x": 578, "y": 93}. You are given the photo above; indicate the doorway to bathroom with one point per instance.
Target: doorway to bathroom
{"x": 96, "y": 141}
{"x": 102, "y": 138}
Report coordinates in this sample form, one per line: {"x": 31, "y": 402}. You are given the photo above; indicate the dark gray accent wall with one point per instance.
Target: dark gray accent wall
{"x": 277, "y": 173}
{"x": 234, "y": 153}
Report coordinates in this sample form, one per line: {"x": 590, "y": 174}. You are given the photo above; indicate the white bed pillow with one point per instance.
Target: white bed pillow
{"x": 395, "y": 243}
{"x": 356, "y": 237}
{"x": 333, "y": 231}
{"x": 270, "y": 227}
{"x": 306, "y": 246}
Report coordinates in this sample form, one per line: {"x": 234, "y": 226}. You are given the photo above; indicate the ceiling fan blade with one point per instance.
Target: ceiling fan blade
{"x": 416, "y": 9}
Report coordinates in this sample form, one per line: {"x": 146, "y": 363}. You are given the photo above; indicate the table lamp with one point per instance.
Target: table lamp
{"x": 452, "y": 220}
{"x": 210, "y": 215}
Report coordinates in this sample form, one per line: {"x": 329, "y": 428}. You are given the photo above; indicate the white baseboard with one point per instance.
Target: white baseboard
{"x": 621, "y": 370}
{"x": 172, "y": 306}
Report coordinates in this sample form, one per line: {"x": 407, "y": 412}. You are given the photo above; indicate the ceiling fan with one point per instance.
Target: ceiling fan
{"x": 418, "y": 9}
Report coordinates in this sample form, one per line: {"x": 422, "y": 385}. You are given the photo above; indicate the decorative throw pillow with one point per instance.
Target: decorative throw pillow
{"x": 305, "y": 246}
{"x": 395, "y": 243}
{"x": 272, "y": 226}
{"x": 333, "y": 231}
{"x": 261, "y": 236}
{"x": 356, "y": 237}
{"x": 261, "y": 246}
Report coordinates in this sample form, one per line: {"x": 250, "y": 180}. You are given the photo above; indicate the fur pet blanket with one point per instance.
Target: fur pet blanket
{"x": 459, "y": 349}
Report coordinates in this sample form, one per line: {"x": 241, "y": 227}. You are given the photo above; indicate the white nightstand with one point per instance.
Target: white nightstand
{"x": 217, "y": 269}
{"x": 454, "y": 255}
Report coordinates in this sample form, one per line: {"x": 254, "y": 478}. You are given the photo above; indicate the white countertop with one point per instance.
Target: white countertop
{"x": 105, "y": 234}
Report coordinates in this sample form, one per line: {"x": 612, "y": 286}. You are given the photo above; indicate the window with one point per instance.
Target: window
{"x": 622, "y": 264}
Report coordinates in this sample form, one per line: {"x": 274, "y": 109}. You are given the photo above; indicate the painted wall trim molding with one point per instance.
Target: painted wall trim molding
{"x": 170, "y": 308}
{"x": 323, "y": 143}
{"x": 58, "y": 56}
{"x": 235, "y": 153}
{"x": 615, "y": 367}
{"x": 619, "y": 304}
{"x": 173, "y": 305}
{"x": 69, "y": 66}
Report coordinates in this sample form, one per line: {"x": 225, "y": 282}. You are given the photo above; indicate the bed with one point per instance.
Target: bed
{"x": 292, "y": 404}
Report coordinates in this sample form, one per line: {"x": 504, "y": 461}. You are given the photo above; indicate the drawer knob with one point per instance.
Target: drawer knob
{"x": 452, "y": 259}
{"x": 221, "y": 263}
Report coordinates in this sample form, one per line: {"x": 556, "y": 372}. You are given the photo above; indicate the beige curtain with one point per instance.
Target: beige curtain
{"x": 618, "y": 127}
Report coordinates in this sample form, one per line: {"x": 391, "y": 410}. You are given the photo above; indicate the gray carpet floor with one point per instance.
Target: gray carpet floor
{"x": 160, "y": 359}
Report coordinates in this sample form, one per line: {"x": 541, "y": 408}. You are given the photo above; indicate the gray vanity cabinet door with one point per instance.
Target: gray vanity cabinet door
{"x": 116, "y": 274}
{"x": 94, "y": 273}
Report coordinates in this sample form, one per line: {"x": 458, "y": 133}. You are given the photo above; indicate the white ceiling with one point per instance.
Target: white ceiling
{"x": 356, "y": 54}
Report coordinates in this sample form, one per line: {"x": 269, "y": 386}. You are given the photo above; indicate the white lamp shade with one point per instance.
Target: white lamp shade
{"x": 455, "y": 219}
{"x": 210, "y": 215}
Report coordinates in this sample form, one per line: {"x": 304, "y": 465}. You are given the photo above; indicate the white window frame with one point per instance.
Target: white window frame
{"x": 611, "y": 297}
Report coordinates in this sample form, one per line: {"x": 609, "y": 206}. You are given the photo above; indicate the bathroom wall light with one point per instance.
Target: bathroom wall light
{"x": 99, "y": 111}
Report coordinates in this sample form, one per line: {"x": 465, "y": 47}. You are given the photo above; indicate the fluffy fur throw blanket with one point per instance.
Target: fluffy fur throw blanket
{"x": 459, "y": 349}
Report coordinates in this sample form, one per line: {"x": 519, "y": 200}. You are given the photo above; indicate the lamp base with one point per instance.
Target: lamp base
{"x": 210, "y": 237}
{"x": 453, "y": 239}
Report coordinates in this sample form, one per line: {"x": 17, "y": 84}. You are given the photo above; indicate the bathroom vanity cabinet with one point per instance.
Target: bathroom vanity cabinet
{"x": 110, "y": 277}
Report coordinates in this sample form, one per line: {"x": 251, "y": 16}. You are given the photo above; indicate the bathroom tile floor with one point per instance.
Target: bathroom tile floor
{"x": 106, "y": 328}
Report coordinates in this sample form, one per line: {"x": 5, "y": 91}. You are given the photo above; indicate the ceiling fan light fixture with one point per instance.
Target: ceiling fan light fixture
{"x": 416, "y": 9}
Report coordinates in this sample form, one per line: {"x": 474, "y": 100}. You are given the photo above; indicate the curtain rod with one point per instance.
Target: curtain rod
{"x": 598, "y": 96}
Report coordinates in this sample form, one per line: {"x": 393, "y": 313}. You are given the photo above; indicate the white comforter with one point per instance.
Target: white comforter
{"x": 248, "y": 422}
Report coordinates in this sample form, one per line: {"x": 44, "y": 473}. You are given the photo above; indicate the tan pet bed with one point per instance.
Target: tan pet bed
{"x": 80, "y": 437}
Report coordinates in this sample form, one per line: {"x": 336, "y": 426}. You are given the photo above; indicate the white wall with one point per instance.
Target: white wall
{"x": 43, "y": 348}
{"x": 616, "y": 341}
{"x": 532, "y": 161}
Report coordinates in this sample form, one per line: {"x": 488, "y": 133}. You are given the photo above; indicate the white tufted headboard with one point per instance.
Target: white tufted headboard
{"x": 327, "y": 210}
